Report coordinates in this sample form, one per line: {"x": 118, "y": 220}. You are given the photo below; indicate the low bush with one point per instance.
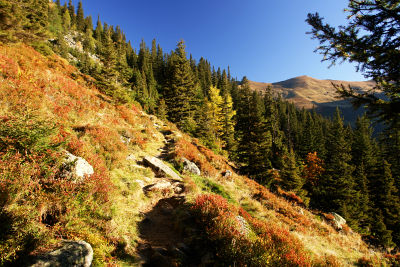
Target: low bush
{"x": 37, "y": 205}
{"x": 246, "y": 241}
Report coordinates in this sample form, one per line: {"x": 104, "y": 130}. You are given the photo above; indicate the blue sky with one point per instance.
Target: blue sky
{"x": 265, "y": 40}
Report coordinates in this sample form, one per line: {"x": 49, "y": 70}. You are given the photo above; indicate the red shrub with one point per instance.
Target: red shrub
{"x": 186, "y": 149}
{"x": 273, "y": 245}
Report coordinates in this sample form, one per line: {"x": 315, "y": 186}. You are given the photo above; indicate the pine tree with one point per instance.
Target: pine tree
{"x": 80, "y": 18}
{"x": 364, "y": 157}
{"x": 55, "y": 20}
{"x": 278, "y": 147}
{"x": 66, "y": 20}
{"x": 252, "y": 136}
{"x": 290, "y": 175}
{"x": 388, "y": 201}
{"x": 36, "y": 21}
{"x": 380, "y": 231}
{"x": 98, "y": 33}
{"x": 371, "y": 40}
{"x": 335, "y": 191}
{"x": 179, "y": 92}
{"x": 227, "y": 122}
{"x": 71, "y": 10}
{"x": 162, "y": 110}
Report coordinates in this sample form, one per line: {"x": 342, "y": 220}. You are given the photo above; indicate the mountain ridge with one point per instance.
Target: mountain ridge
{"x": 308, "y": 92}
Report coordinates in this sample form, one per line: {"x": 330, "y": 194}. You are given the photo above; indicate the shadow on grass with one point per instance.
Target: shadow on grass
{"x": 28, "y": 243}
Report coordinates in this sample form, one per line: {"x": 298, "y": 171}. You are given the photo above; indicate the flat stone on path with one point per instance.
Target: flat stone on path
{"x": 160, "y": 167}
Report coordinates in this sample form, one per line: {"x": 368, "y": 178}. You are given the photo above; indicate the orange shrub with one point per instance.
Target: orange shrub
{"x": 272, "y": 246}
{"x": 108, "y": 143}
{"x": 185, "y": 149}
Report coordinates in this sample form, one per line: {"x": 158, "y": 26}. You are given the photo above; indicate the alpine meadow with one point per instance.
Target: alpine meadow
{"x": 114, "y": 153}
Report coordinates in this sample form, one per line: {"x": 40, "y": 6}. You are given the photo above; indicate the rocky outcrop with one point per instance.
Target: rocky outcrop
{"x": 160, "y": 167}
{"x": 76, "y": 168}
{"x": 190, "y": 167}
{"x": 72, "y": 253}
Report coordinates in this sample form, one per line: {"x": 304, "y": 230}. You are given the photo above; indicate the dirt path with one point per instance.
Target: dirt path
{"x": 162, "y": 242}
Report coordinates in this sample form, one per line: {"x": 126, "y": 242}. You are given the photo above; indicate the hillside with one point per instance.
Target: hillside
{"x": 129, "y": 212}
{"x": 308, "y": 92}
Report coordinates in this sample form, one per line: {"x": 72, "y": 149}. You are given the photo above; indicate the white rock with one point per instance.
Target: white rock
{"x": 338, "y": 220}
{"x": 80, "y": 167}
{"x": 190, "y": 167}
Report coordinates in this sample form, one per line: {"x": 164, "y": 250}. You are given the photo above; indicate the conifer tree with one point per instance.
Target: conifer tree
{"x": 290, "y": 175}
{"x": 36, "y": 19}
{"x": 335, "y": 191}
{"x": 66, "y": 20}
{"x": 162, "y": 110}
{"x": 380, "y": 231}
{"x": 364, "y": 158}
{"x": 253, "y": 139}
{"x": 71, "y": 10}
{"x": 388, "y": 201}
{"x": 227, "y": 122}
{"x": 278, "y": 148}
{"x": 179, "y": 94}
{"x": 54, "y": 19}
{"x": 80, "y": 18}
{"x": 98, "y": 33}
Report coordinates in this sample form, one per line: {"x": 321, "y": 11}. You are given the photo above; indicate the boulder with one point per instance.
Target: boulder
{"x": 76, "y": 167}
{"x": 338, "y": 221}
{"x": 72, "y": 253}
{"x": 160, "y": 167}
{"x": 190, "y": 167}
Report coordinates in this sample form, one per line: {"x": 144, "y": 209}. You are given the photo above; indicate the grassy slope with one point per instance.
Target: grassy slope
{"x": 92, "y": 127}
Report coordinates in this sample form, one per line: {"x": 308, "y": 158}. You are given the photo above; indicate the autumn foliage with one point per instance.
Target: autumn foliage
{"x": 244, "y": 240}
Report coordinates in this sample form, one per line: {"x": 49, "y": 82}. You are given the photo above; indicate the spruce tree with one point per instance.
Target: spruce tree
{"x": 80, "y": 18}
{"x": 388, "y": 201}
{"x": 66, "y": 20}
{"x": 335, "y": 191}
{"x": 180, "y": 88}
{"x": 290, "y": 175}
{"x": 71, "y": 10}
{"x": 370, "y": 39}
{"x": 98, "y": 33}
{"x": 364, "y": 158}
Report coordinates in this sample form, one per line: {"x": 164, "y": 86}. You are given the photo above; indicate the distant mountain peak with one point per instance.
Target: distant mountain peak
{"x": 308, "y": 92}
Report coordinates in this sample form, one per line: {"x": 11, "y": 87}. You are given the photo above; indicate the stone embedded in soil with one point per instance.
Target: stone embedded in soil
{"x": 190, "y": 167}
{"x": 76, "y": 168}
